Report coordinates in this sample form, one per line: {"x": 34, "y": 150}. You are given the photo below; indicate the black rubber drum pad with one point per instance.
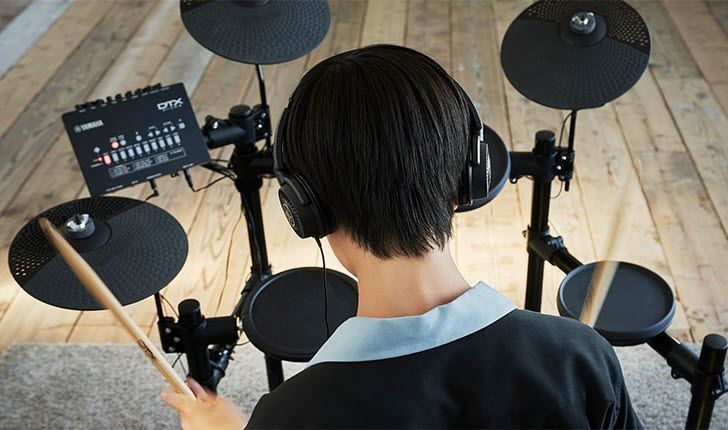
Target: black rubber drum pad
{"x": 638, "y": 306}
{"x": 284, "y": 316}
{"x": 136, "y": 248}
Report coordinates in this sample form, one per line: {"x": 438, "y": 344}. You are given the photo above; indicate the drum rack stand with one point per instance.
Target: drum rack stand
{"x": 209, "y": 343}
{"x": 543, "y": 164}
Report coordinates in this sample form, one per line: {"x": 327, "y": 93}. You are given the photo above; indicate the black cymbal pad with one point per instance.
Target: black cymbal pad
{"x": 257, "y": 31}
{"x": 136, "y": 248}
{"x": 575, "y": 54}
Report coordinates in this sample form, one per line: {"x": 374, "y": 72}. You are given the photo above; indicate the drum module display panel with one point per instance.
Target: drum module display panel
{"x": 136, "y": 137}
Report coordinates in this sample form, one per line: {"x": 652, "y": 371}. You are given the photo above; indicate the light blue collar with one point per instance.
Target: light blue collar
{"x": 365, "y": 339}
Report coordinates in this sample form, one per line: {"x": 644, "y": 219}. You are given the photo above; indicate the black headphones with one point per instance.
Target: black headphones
{"x": 310, "y": 218}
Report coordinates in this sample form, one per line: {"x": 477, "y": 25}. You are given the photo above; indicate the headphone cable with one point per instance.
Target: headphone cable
{"x": 326, "y": 289}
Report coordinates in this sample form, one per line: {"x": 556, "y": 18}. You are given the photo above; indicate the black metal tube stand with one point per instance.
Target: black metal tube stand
{"x": 545, "y": 151}
{"x": 542, "y": 164}
{"x": 192, "y": 334}
{"x": 249, "y": 163}
{"x": 708, "y": 383}
{"x": 704, "y": 373}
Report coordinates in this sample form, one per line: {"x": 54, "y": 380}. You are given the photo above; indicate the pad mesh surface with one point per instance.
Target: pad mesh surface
{"x": 625, "y": 24}
{"x": 146, "y": 250}
{"x": 554, "y": 72}
{"x": 275, "y": 32}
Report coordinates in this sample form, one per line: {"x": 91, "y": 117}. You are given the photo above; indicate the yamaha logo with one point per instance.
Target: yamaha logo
{"x": 170, "y": 104}
{"x": 88, "y": 126}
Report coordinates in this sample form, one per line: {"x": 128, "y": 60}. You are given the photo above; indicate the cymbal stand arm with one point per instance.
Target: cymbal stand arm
{"x": 543, "y": 164}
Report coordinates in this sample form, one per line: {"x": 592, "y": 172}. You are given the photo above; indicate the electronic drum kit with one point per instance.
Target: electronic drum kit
{"x": 569, "y": 55}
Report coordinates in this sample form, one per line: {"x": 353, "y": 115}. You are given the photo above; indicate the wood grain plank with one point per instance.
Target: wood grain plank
{"x": 32, "y": 134}
{"x": 428, "y": 29}
{"x": 150, "y": 48}
{"x": 701, "y": 121}
{"x": 645, "y": 118}
{"x": 18, "y": 36}
{"x": 27, "y": 78}
{"x": 706, "y": 40}
{"x": 719, "y": 9}
{"x": 691, "y": 236}
{"x": 10, "y": 9}
{"x": 385, "y": 22}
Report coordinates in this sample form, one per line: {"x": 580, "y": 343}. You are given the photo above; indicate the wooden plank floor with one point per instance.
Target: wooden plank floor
{"x": 666, "y": 138}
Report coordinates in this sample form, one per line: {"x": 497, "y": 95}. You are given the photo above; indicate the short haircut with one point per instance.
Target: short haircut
{"x": 381, "y": 134}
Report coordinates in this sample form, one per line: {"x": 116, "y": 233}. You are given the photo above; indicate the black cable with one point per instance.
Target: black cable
{"x": 559, "y": 193}
{"x": 155, "y": 191}
{"x": 174, "y": 311}
{"x": 326, "y": 289}
{"x": 561, "y": 136}
{"x": 188, "y": 178}
{"x": 212, "y": 183}
{"x": 563, "y": 125}
{"x": 176, "y": 360}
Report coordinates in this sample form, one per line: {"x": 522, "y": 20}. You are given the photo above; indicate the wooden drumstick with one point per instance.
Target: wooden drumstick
{"x": 96, "y": 287}
{"x": 605, "y": 270}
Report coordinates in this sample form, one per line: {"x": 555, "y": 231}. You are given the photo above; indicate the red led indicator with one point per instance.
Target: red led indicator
{"x": 107, "y": 159}
{"x": 114, "y": 144}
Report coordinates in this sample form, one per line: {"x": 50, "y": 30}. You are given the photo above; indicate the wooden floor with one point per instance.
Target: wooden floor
{"x": 666, "y": 137}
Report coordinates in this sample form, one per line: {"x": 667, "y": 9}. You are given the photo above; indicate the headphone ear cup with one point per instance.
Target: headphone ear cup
{"x": 301, "y": 208}
{"x": 480, "y": 176}
{"x": 291, "y": 210}
{"x": 475, "y": 180}
{"x": 465, "y": 185}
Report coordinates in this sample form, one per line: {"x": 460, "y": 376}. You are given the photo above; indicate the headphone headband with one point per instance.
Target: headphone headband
{"x": 309, "y": 218}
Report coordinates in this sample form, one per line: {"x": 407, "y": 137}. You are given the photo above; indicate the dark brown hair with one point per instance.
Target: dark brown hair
{"x": 381, "y": 135}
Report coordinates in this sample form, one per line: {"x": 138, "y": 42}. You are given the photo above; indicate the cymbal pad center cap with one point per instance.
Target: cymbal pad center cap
{"x": 583, "y": 22}
{"x": 80, "y": 226}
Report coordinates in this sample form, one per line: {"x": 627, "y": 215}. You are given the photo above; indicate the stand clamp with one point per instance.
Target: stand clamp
{"x": 243, "y": 126}
{"x": 564, "y": 164}
{"x": 704, "y": 373}
{"x": 192, "y": 334}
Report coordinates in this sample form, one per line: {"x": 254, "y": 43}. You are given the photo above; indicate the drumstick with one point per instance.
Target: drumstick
{"x": 605, "y": 270}
{"x": 96, "y": 287}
